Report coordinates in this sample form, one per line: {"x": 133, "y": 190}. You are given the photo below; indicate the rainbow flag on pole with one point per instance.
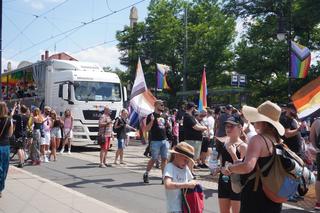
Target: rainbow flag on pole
{"x": 162, "y": 71}
{"x": 307, "y": 99}
{"x": 300, "y": 60}
{"x": 203, "y": 91}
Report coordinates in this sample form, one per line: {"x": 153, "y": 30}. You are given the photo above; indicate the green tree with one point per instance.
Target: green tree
{"x": 161, "y": 39}
{"x": 260, "y": 55}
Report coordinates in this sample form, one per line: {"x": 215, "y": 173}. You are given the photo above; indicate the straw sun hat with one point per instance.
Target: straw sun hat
{"x": 184, "y": 149}
{"x": 268, "y": 112}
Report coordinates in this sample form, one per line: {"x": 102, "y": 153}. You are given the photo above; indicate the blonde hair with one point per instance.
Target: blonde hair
{"x": 3, "y": 109}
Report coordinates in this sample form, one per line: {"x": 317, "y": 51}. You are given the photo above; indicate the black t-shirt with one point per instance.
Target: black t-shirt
{"x": 294, "y": 142}
{"x": 158, "y": 129}
{"x": 121, "y": 130}
{"x": 4, "y": 138}
{"x": 21, "y": 122}
{"x": 189, "y": 133}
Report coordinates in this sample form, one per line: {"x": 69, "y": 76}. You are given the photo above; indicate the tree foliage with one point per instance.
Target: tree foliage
{"x": 161, "y": 39}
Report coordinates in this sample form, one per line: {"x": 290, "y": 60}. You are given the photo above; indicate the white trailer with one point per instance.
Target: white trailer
{"x": 84, "y": 88}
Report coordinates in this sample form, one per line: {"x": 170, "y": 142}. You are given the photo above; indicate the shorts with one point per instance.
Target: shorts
{"x": 106, "y": 145}
{"x": 65, "y": 133}
{"x": 46, "y": 139}
{"x": 318, "y": 166}
{"x": 55, "y": 132}
{"x": 205, "y": 144}
{"x": 121, "y": 143}
{"x": 225, "y": 190}
{"x": 159, "y": 148}
{"x": 197, "y": 147}
{"x": 20, "y": 142}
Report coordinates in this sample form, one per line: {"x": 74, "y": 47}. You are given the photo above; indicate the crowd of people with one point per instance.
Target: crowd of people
{"x": 243, "y": 138}
{"x": 182, "y": 141}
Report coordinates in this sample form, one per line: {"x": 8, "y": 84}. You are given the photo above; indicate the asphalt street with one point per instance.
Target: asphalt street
{"x": 119, "y": 186}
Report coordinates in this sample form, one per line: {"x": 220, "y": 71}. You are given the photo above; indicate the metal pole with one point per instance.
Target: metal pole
{"x": 156, "y": 84}
{"x": 184, "y": 88}
{"x": 289, "y": 49}
{"x": 1, "y": 49}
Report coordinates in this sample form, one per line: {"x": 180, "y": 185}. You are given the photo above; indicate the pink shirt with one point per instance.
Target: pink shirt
{"x": 67, "y": 123}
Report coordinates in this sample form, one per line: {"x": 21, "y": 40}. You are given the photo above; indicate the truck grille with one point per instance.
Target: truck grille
{"x": 93, "y": 129}
{"x": 95, "y": 114}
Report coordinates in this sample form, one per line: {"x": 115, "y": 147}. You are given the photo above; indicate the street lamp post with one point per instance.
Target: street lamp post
{"x": 285, "y": 33}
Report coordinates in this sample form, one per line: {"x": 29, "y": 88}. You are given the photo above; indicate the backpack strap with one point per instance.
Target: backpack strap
{"x": 265, "y": 167}
{"x": 4, "y": 126}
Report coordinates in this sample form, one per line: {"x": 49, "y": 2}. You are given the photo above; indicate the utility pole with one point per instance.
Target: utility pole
{"x": 133, "y": 22}
{"x": 1, "y": 49}
{"x": 184, "y": 88}
{"x": 289, "y": 49}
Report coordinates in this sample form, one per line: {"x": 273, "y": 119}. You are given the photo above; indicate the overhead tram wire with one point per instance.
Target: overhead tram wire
{"x": 55, "y": 26}
{"x": 16, "y": 26}
{"x": 93, "y": 46}
{"x": 32, "y": 21}
{"x": 76, "y": 28}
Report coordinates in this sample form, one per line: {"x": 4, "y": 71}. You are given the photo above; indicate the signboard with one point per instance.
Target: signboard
{"x": 234, "y": 80}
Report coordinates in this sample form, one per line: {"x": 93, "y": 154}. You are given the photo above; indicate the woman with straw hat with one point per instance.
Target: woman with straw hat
{"x": 177, "y": 175}
{"x": 260, "y": 149}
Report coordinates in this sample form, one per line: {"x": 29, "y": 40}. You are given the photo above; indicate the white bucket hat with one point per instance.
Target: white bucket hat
{"x": 268, "y": 112}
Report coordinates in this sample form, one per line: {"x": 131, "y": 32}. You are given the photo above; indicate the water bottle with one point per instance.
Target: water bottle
{"x": 213, "y": 163}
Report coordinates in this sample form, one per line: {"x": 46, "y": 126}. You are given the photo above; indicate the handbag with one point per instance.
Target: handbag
{"x": 101, "y": 139}
{"x": 192, "y": 200}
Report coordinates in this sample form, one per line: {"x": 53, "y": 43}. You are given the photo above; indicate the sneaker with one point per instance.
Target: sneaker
{"x": 123, "y": 163}
{"x": 317, "y": 206}
{"x": 61, "y": 151}
{"x": 46, "y": 159}
{"x": 69, "y": 152}
{"x": 145, "y": 178}
{"x": 20, "y": 165}
{"x": 102, "y": 165}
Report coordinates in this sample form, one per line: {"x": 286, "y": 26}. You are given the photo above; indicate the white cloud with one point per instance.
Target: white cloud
{"x": 40, "y": 4}
{"x": 104, "y": 56}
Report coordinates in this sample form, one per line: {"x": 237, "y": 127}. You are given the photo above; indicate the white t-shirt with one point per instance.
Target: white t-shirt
{"x": 174, "y": 195}
{"x": 211, "y": 126}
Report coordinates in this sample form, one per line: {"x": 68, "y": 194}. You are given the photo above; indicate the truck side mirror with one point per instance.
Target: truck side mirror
{"x": 65, "y": 92}
{"x": 125, "y": 94}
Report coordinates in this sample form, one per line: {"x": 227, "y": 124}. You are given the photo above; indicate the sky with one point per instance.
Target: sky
{"x": 32, "y": 26}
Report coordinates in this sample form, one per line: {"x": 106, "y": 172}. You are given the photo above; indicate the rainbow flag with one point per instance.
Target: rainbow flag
{"x": 162, "y": 70}
{"x": 307, "y": 99}
{"x": 141, "y": 99}
{"x": 203, "y": 92}
{"x": 300, "y": 60}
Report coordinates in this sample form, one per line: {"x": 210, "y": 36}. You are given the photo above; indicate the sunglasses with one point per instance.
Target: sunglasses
{"x": 230, "y": 126}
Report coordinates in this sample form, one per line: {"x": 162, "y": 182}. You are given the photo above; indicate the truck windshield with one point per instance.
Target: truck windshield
{"x": 97, "y": 91}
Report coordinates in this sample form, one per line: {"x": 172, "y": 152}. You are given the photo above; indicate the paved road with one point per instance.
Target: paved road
{"x": 118, "y": 186}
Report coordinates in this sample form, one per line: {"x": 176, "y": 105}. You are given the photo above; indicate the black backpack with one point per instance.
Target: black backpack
{"x": 119, "y": 129}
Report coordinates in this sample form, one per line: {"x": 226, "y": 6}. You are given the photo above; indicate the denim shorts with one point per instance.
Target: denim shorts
{"x": 121, "y": 143}
{"x": 55, "y": 132}
{"x": 159, "y": 148}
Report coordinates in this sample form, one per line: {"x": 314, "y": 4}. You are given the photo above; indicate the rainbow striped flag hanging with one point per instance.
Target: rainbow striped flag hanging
{"x": 300, "y": 60}
{"x": 307, "y": 99}
{"x": 203, "y": 91}
{"x": 162, "y": 71}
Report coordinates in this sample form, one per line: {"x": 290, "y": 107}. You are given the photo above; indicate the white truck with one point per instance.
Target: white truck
{"x": 84, "y": 88}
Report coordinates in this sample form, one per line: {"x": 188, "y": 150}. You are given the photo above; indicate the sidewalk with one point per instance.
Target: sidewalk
{"x": 28, "y": 193}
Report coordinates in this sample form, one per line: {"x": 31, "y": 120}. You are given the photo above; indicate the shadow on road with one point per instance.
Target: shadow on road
{"x": 293, "y": 211}
{"x": 84, "y": 181}
{"x": 209, "y": 193}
